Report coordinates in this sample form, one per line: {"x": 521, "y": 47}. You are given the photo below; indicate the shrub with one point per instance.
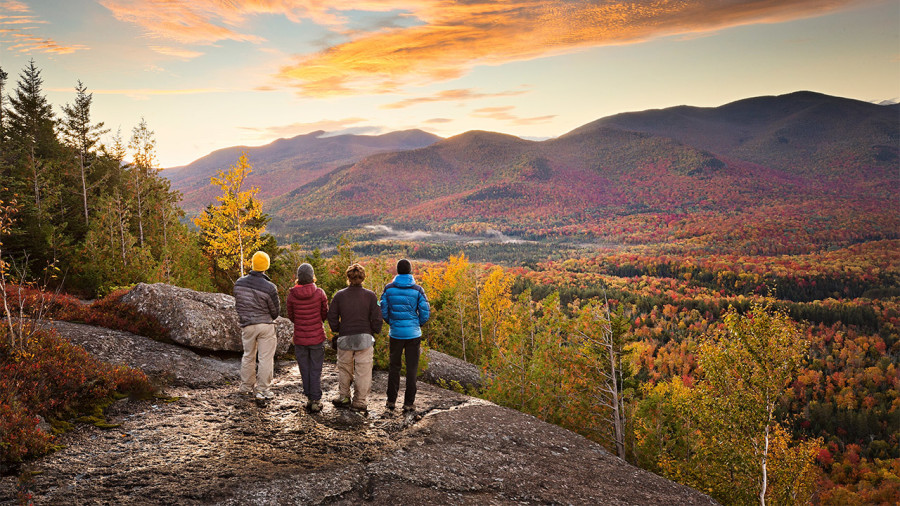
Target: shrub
{"x": 53, "y": 379}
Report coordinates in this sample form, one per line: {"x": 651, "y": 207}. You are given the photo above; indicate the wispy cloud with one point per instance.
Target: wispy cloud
{"x": 22, "y": 38}
{"x": 504, "y": 114}
{"x": 457, "y": 95}
{"x": 438, "y": 120}
{"x": 184, "y": 54}
{"x": 13, "y": 6}
{"x": 146, "y": 93}
{"x": 330, "y": 126}
{"x": 445, "y": 39}
{"x": 456, "y": 36}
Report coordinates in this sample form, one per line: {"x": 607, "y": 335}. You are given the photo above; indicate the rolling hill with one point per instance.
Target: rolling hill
{"x": 806, "y": 169}
{"x": 286, "y": 164}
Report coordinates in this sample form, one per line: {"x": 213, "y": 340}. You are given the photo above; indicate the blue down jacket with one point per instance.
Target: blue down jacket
{"x": 404, "y": 307}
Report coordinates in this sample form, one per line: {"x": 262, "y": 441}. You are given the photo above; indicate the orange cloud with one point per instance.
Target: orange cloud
{"x": 185, "y": 54}
{"x": 503, "y": 114}
{"x": 449, "y": 37}
{"x": 13, "y": 6}
{"x": 303, "y": 128}
{"x": 210, "y": 21}
{"x": 456, "y": 36}
{"x": 24, "y": 41}
{"x": 450, "y": 96}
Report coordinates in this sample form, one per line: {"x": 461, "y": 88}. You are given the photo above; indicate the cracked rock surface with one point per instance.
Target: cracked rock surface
{"x": 210, "y": 445}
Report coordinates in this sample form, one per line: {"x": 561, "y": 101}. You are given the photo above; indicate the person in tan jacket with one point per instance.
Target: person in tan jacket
{"x": 355, "y": 318}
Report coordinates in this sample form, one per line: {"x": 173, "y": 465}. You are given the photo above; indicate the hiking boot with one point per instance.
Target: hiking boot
{"x": 409, "y": 408}
{"x": 363, "y": 410}
{"x": 314, "y": 406}
{"x": 390, "y": 405}
{"x": 341, "y": 402}
{"x": 265, "y": 395}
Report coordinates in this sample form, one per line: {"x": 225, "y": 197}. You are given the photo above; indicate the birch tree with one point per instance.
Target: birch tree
{"x": 232, "y": 230}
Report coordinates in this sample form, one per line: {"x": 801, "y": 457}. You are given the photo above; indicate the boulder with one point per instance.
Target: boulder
{"x": 201, "y": 320}
{"x": 443, "y": 368}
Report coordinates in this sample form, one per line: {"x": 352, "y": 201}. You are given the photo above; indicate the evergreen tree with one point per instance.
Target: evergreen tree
{"x": 31, "y": 124}
{"x": 82, "y": 136}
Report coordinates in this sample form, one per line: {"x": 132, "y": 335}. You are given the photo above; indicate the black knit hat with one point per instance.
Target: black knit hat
{"x": 305, "y": 274}
{"x": 403, "y": 267}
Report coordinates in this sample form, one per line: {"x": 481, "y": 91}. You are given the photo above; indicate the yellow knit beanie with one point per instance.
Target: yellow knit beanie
{"x": 260, "y": 261}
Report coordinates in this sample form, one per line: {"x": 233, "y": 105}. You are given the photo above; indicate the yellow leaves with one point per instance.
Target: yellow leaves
{"x": 231, "y": 231}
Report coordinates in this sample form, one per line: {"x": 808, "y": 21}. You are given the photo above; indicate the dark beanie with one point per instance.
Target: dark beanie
{"x": 403, "y": 267}
{"x": 305, "y": 274}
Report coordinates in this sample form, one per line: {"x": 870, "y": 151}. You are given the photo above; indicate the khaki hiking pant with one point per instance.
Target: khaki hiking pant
{"x": 258, "y": 338}
{"x": 355, "y": 365}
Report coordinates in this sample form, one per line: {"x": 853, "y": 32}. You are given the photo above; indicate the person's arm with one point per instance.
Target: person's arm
{"x": 424, "y": 309}
{"x": 323, "y": 311}
{"x": 384, "y": 306}
{"x": 275, "y": 306}
{"x": 375, "y": 319}
{"x": 334, "y": 318}
{"x": 289, "y": 307}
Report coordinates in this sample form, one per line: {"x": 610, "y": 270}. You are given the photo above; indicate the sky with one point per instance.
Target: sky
{"x": 208, "y": 74}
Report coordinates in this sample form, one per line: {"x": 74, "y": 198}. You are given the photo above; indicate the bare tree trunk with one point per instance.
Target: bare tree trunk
{"x": 37, "y": 191}
{"x": 84, "y": 188}
{"x": 121, "y": 220}
{"x": 240, "y": 245}
{"x": 462, "y": 327}
{"x": 478, "y": 307}
{"x": 166, "y": 258}
{"x": 765, "y": 455}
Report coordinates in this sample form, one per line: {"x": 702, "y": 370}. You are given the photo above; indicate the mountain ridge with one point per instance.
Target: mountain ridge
{"x": 286, "y": 163}
{"x": 793, "y": 154}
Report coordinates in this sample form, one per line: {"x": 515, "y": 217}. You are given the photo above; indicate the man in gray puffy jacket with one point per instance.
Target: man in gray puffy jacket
{"x": 257, "y": 305}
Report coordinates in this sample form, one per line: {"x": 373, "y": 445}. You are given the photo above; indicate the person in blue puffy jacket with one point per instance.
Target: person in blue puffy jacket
{"x": 405, "y": 308}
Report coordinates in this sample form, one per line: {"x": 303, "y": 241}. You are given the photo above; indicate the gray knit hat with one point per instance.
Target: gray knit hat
{"x": 305, "y": 274}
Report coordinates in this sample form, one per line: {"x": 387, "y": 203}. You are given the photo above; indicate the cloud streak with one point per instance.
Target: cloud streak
{"x": 447, "y": 38}
{"x": 457, "y": 95}
{"x": 456, "y": 36}
{"x": 146, "y": 93}
{"x": 21, "y": 38}
{"x": 504, "y": 114}
{"x": 331, "y": 126}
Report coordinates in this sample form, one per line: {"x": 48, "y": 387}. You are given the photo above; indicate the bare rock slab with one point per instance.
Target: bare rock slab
{"x": 447, "y": 368}
{"x": 201, "y": 320}
{"x": 164, "y": 363}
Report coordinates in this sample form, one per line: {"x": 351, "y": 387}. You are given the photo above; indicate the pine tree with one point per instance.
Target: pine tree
{"x": 31, "y": 124}
{"x": 82, "y": 136}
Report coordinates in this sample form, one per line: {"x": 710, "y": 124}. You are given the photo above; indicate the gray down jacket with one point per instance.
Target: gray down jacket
{"x": 256, "y": 299}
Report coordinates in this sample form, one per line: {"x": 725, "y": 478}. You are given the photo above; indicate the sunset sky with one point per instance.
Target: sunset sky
{"x": 208, "y": 74}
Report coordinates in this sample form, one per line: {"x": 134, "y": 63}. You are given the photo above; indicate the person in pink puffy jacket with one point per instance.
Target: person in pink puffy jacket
{"x": 307, "y": 307}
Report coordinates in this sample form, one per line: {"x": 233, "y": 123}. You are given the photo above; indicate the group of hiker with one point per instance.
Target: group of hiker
{"x": 355, "y": 317}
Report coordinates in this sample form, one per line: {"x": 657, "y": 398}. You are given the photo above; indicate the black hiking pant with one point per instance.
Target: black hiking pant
{"x": 411, "y": 348}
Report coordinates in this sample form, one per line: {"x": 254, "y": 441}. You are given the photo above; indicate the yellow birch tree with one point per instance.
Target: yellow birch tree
{"x": 232, "y": 230}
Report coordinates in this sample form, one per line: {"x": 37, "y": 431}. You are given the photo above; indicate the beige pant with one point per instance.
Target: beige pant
{"x": 260, "y": 337}
{"x": 355, "y": 365}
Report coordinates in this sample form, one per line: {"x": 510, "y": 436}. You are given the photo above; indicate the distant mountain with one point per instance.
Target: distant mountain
{"x": 630, "y": 175}
{"x": 794, "y": 131}
{"x": 286, "y": 164}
